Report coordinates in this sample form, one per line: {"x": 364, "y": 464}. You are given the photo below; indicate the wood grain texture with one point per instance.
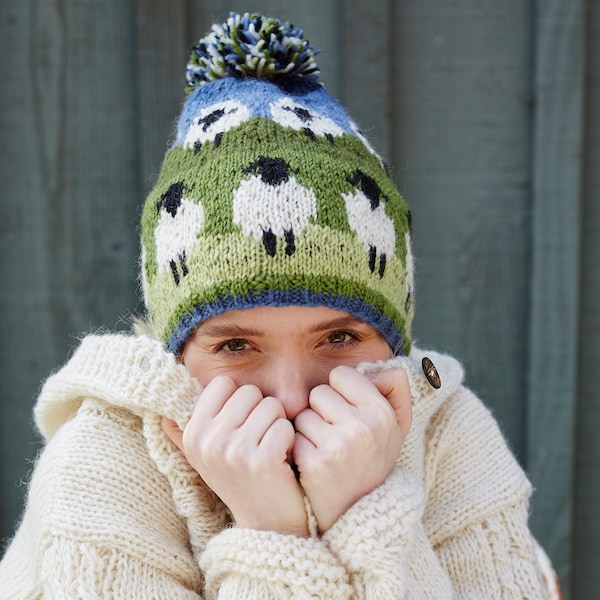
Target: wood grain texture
{"x": 163, "y": 38}
{"x": 554, "y": 303}
{"x": 489, "y": 115}
{"x": 364, "y": 70}
{"x": 69, "y": 178}
{"x": 586, "y": 500}
{"x": 462, "y": 98}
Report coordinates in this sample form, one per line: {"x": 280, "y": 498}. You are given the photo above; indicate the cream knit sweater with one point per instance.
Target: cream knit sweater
{"x": 114, "y": 511}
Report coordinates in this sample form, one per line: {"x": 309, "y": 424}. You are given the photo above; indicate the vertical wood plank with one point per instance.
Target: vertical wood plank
{"x": 365, "y": 70}
{"x": 553, "y": 343}
{"x": 461, "y": 90}
{"x": 69, "y": 172}
{"x": 90, "y": 92}
{"x": 586, "y": 556}
{"x": 162, "y": 44}
{"x": 22, "y": 322}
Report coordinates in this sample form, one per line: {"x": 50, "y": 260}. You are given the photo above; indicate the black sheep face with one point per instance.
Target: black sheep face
{"x": 213, "y": 121}
{"x": 288, "y": 113}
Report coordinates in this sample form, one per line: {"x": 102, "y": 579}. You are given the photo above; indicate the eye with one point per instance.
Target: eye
{"x": 234, "y": 346}
{"x": 341, "y": 338}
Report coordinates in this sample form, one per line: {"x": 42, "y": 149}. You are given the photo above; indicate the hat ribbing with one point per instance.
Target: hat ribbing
{"x": 270, "y": 195}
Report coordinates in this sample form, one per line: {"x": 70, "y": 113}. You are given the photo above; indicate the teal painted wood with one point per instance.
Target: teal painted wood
{"x": 554, "y": 305}
{"x": 461, "y": 150}
{"x": 367, "y": 89}
{"x": 586, "y": 500}
{"x": 68, "y": 168}
{"x": 163, "y": 38}
{"x": 445, "y": 90}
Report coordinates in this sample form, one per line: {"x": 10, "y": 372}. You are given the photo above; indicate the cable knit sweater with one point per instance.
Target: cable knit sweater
{"x": 115, "y": 511}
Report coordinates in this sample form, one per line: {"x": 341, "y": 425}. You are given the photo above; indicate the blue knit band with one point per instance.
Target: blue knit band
{"x": 291, "y": 297}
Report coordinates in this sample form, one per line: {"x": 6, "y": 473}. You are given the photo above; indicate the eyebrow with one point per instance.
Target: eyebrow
{"x": 228, "y": 331}
{"x": 339, "y": 323}
{"x": 232, "y": 330}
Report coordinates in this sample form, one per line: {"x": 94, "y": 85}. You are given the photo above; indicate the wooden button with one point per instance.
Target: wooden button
{"x": 431, "y": 373}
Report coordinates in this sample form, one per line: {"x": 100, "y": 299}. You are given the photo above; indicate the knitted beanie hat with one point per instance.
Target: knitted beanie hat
{"x": 270, "y": 195}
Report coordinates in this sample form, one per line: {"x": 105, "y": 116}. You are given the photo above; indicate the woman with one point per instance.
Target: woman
{"x": 281, "y": 437}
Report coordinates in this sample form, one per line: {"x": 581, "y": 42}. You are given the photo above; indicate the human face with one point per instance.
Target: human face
{"x": 284, "y": 351}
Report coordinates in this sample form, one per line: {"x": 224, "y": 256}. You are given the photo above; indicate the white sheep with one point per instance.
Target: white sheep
{"x": 213, "y": 121}
{"x": 179, "y": 223}
{"x": 288, "y": 113}
{"x": 367, "y": 217}
{"x": 272, "y": 204}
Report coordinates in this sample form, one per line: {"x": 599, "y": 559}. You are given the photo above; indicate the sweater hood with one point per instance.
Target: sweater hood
{"x": 127, "y": 371}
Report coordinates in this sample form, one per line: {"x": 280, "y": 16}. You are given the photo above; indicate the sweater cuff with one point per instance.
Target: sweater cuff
{"x": 263, "y": 564}
{"x": 379, "y": 529}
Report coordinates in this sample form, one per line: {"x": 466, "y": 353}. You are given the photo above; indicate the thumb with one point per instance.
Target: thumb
{"x": 173, "y": 432}
{"x": 392, "y": 384}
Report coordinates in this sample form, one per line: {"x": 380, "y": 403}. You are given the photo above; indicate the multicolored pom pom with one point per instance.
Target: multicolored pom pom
{"x": 251, "y": 45}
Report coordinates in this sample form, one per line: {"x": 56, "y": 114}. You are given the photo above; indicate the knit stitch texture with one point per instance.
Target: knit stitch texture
{"x": 114, "y": 510}
{"x": 271, "y": 195}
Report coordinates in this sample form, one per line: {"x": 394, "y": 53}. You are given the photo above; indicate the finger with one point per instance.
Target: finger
{"x": 173, "y": 432}
{"x": 236, "y": 409}
{"x": 261, "y": 418}
{"x": 329, "y": 404}
{"x": 393, "y": 385}
{"x": 279, "y": 439}
{"x": 214, "y": 396}
{"x": 305, "y": 452}
{"x": 312, "y": 425}
{"x": 357, "y": 389}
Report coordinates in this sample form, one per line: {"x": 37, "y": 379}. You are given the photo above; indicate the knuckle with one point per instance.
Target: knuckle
{"x": 250, "y": 390}
{"x": 360, "y": 435}
{"x": 235, "y": 453}
{"x": 383, "y": 418}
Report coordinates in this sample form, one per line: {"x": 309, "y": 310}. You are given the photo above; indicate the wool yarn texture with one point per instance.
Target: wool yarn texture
{"x": 114, "y": 510}
{"x": 271, "y": 195}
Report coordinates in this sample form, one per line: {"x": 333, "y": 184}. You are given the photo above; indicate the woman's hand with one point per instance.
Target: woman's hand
{"x": 349, "y": 439}
{"x": 241, "y": 443}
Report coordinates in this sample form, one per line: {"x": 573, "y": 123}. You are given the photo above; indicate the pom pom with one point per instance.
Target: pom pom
{"x": 251, "y": 46}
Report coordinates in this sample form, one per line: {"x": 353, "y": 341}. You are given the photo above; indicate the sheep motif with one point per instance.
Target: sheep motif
{"x": 367, "y": 218}
{"x": 272, "y": 204}
{"x": 179, "y": 223}
{"x": 213, "y": 121}
{"x": 288, "y": 113}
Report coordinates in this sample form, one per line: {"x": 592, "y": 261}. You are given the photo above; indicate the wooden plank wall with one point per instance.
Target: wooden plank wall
{"x": 489, "y": 114}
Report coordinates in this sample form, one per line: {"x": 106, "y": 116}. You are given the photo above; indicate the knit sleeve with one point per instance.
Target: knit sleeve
{"x": 377, "y": 549}
{"x": 477, "y": 504}
{"x": 75, "y": 570}
{"x": 493, "y": 558}
{"x": 99, "y": 520}
{"x": 383, "y": 546}
{"x": 264, "y": 565}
